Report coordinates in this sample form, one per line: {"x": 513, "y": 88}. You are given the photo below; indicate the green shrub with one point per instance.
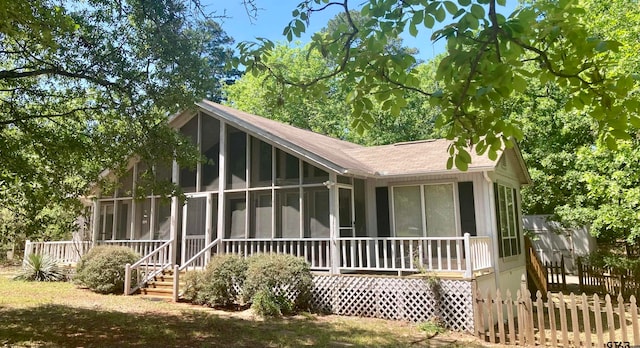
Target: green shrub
{"x": 219, "y": 283}
{"x": 223, "y": 278}
{"x": 102, "y": 268}
{"x": 268, "y": 304}
{"x": 432, "y": 327}
{"x": 275, "y": 275}
{"x": 40, "y": 268}
{"x": 193, "y": 281}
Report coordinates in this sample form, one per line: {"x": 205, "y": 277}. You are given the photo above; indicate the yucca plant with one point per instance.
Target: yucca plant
{"x": 40, "y": 268}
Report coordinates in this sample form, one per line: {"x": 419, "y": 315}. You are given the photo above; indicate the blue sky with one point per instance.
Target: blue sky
{"x": 274, "y": 15}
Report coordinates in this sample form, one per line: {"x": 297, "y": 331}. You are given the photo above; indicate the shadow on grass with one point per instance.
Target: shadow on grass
{"x": 62, "y": 326}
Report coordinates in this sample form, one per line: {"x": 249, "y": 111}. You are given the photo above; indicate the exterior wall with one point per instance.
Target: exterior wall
{"x": 512, "y": 279}
{"x": 508, "y": 269}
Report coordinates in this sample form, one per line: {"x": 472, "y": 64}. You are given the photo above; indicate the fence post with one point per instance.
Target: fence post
{"x": 27, "y": 249}
{"x": 176, "y": 282}
{"x": 580, "y": 274}
{"x": 127, "y": 279}
{"x": 564, "y": 276}
{"x": 467, "y": 249}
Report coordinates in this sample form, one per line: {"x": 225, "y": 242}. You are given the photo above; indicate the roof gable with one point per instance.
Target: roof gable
{"x": 426, "y": 157}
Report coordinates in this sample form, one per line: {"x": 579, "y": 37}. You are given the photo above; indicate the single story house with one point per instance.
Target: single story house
{"x": 359, "y": 215}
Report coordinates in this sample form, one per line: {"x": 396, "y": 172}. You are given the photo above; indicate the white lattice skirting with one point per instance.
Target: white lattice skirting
{"x": 395, "y": 298}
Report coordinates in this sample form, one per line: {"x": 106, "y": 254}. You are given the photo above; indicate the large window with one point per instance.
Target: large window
{"x": 188, "y": 175}
{"x": 316, "y": 202}
{"x": 236, "y": 159}
{"x": 260, "y": 163}
{"x": 260, "y": 214}
{"x": 424, "y": 210}
{"x": 210, "y": 147}
{"x": 288, "y": 218}
{"x": 507, "y": 220}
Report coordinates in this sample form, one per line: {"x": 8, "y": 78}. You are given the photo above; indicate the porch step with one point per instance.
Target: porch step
{"x": 160, "y": 287}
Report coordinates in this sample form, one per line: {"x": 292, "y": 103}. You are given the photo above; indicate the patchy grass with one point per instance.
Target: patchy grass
{"x": 61, "y": 315}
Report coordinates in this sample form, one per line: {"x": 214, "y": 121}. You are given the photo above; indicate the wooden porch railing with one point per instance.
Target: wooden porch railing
{"x": 147, "y": 267}
{"x": 199, "y": 260}
{"x": 66, "y": 252}
{"x": 315, "y": 250}
{"x": 412, "y": 254}
{"x": 142, "y": 247}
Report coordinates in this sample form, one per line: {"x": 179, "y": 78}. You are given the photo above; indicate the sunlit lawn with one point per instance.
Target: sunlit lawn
{"x": 61, "y": 315}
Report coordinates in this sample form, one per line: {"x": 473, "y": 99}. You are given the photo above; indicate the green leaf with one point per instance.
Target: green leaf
{"x": 477, "y": 11}
{"x": 451, "y": 7}
{"x": 461, "y": 164}
{"x": 440, "y": 14}
{"x": 413, "y": 31}
{"x": 450, "y": 162}
{"x": 429, "y": 22}
{"x": 464, "y": 2}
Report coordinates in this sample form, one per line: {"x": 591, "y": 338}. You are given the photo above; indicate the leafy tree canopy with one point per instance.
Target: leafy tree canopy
{"x": 490, "y": 57}
{"x": 84, "y": 85}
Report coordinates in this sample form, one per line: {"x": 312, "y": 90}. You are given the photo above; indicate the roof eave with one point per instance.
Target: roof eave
{"x": 477, "y": 169}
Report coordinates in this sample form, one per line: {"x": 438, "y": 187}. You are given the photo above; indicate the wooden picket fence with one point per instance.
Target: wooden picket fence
{"x": 560, "y": 321}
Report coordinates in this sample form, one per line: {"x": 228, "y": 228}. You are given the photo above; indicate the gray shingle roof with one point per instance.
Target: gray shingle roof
{"x": 402, "y": 159}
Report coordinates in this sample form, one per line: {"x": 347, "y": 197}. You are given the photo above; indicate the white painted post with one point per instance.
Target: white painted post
{"x": 207, "y": 230}
{"x": 127, "y": 279}
{"x": 222, "y": 183}
{"x": 96, "y": 220}
{"x": 467, "y": 251}
{"x": 334, "y": 231}
{"x": 173, "y": 229}
{"x": 176, "y": 282}
{"x": 27, "y": 250}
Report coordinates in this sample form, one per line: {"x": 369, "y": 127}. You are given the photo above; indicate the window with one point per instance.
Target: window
{"x": 188, "y": 175}
{"x": 210, "y": 147}
{"x": 288, "y": 219}
{"x": 424, "y": 210}
{"x": 260, "y": 163}
{"x": 163, "y": 220}
{"x": 507, "y": 220}
{"x": 260, "y": 214}
{"x": 236, "y": 159}
{"x": 316, "y": 203}
{"x": 407, "y": 211}
{"x": 123, "y": 227}
{"x": 287, "y": 169}
{"x": 196, "y": 216}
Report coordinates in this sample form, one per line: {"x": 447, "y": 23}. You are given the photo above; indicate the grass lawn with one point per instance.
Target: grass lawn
{"x": 61, "y": 315}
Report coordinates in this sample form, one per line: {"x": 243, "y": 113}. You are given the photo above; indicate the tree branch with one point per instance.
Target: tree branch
{"x": 32, "y": 117}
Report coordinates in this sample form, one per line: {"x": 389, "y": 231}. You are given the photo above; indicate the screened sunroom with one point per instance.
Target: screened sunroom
{"x": 269, "y": 187}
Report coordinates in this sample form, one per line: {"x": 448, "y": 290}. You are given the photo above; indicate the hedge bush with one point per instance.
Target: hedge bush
{"x": 279, "y": 280}
{"x": 219, "y": 283}
{"x": 193, "y": 281}
{"x": 102, "y": 268}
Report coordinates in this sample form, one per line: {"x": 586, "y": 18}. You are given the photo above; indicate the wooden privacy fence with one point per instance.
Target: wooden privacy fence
{"x": 607, "y": 280}
{"x": 556, "y": 276}
{"x": 560, "y": 321}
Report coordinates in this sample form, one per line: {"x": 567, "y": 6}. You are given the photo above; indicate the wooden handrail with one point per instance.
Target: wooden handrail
{"x": 184, "y": 266}
{"x": 153, "y": 264}
{"x": 535, "y": 266}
